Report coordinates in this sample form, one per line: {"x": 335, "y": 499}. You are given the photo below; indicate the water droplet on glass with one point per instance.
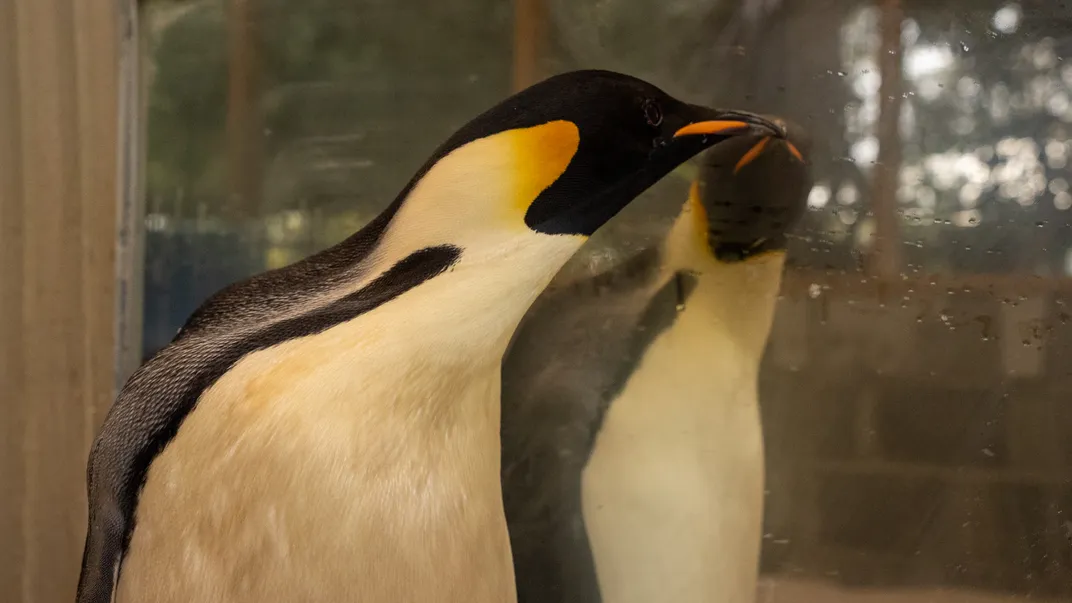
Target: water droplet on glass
{"x": 814, "y": 290}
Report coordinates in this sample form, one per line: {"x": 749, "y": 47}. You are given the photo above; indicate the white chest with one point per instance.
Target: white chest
{"x": 672, "y": 493}
{"x": 330, "y": 468}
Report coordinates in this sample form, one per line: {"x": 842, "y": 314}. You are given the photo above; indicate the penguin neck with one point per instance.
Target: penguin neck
{"x": 733, "y": 300}
{"x": 475, "y": 199}
{"x": 473, "y": 307}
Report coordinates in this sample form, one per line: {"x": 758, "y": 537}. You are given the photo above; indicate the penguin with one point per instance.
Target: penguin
{"x": 329, "y": 431}
{"x": 632, "y": 444}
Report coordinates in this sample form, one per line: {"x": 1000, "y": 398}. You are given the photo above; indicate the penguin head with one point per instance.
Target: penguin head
{"x": 752, "y": 190}
{"x": 567, "y": 154}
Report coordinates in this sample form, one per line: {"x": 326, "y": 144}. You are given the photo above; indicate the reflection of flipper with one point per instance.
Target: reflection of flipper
{"x": 595, "y": 359}
{"x": 575, "y": 349}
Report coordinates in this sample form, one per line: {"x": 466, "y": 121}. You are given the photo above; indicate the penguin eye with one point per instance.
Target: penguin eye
{"x": 653, "y": 113}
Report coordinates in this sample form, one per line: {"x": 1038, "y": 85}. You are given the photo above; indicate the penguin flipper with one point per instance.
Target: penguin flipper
{"x": 542, "y": 466}
{"x": 101, "y": 558}
{"x": 143, "y": 419}
{"x": 574, "y": 352}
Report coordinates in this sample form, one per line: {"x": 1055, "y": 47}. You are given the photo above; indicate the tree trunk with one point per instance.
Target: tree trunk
{"x": 244, "y": 127}
{"x": 886, "y": 253}
{"x": 530, "y": 17}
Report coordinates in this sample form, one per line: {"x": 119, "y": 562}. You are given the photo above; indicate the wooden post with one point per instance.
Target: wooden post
{"x": 529, "y": 21}
{"x": 886, "y": 254}
{"x": 58, "y": 201}
{"x": 243, "y": 114}
{"x": 13, "y": 425}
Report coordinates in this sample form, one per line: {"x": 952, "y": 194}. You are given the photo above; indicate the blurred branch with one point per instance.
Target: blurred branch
{"x": 885, "y": 256}
{"x": 530, "y": 18}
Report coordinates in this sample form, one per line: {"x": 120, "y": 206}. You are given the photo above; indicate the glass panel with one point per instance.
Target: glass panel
{"x": 912, "y": 389}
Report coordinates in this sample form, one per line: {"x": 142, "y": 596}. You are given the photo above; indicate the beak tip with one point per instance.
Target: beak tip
{"x": 795, "y": 152}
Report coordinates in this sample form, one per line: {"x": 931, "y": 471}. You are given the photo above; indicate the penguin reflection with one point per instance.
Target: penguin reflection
{"x": 632, "y": 444}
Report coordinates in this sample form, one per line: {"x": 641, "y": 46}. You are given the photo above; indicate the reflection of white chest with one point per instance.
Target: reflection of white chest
{"x": 672, "y": 493}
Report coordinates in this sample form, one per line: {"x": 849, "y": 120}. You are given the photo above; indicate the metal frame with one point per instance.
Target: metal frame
{"x": 130, "y": 241}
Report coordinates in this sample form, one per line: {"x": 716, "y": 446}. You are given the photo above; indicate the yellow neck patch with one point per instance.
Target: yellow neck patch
{"x": 698, "y": 218}
{"x": 541, "y": 155}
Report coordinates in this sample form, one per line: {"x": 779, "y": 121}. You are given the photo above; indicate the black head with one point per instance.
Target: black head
{"x": 595, "y": 140}
{"x": 753, "y": 190}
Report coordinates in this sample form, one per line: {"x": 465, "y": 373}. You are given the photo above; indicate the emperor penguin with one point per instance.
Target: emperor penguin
{"x": 329, "y": 431}
{"x": 632, "y": 444}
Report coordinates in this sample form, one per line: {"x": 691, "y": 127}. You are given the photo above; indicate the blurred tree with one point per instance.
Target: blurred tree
{"x": 345, "y": 84}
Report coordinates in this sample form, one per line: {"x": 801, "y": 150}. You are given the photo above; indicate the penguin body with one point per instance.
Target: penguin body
{"x": 330, "y": 431}
{"x": 635, "y": 454}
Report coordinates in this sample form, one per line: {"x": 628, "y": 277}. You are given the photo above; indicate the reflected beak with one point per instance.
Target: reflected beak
{"x": 796, "y": 152}
{"x": 761, "y": 146}
{"x": 751, "y": 155}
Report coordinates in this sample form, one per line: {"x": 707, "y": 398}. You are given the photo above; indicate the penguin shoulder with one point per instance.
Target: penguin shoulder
{"x": 273, "y": 293}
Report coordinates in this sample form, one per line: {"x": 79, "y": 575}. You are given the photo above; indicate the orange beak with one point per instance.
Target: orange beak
{"x": 713, "y": 127}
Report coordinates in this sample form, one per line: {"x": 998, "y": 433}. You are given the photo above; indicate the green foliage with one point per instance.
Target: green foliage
{"x": 187, "y": 102}
{"x": 391, "y": 79}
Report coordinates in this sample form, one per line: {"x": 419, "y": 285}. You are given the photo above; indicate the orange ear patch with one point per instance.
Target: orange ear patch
{"x": 541, "y": 154}
{"x": 698, "y": 216}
